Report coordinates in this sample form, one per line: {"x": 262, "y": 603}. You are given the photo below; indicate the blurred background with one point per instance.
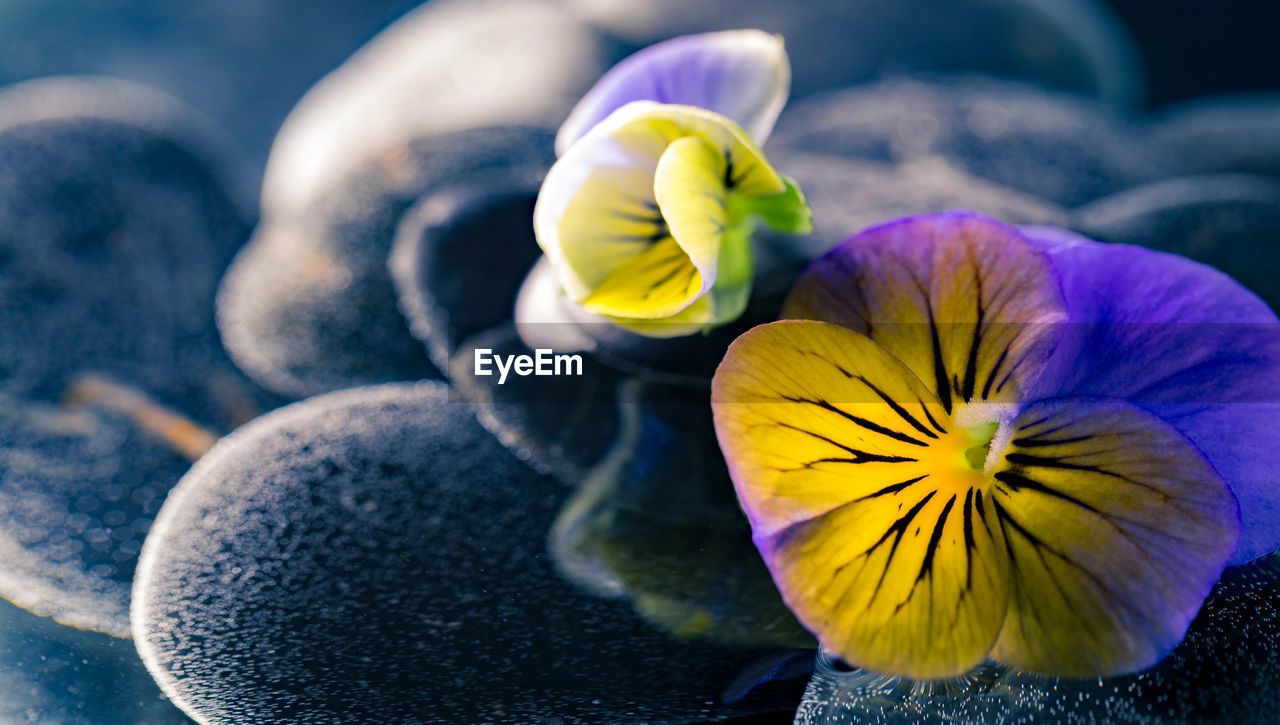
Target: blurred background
{"x": 119, "y": 223}
{"x": 245, "y": 63}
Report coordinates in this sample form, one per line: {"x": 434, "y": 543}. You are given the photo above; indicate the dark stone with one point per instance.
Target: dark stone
{"x": 374, "y": 556}
{"x": 1078, "y": 45}
{"x": 559, "y": 425}
{"x": 1224, "y": 671}
{"x": 460, "y": 255}
{"x": 448, "y": 66}
{"x": 112, "y": 243}
{"x": 849, "y": 195}
{"x": 1230, "y": 222}
{"x": 143, "y": 108}
{"x": 309, "y": 306}
{"x": 114, "y": 234}
{"x": 1224, "y": 133}
{"x": 78, "y": 492}
{"x": 657, "y": 523}
{"x": 242, "y": 62}
{"x": 1064, "y": 149}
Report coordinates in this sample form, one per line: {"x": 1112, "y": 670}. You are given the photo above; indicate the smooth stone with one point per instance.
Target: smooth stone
{"x": 1061, "y": 148}
{"x": 309, "y": 306}
{"x": 55, "y": 674}
{"x": 1230, "y": 133}
{"x": 53, "y": 98}
{"x": 1224, "y": 671}
{"x": 657, "y": 523}
{"x": 561, "y": 426}
{"x": 849, "y": 195}
{"x": 374, "y": 556}
{"x": 242, "y": 62}
{"x": 447, "y": 66}
{"x": 460, "y": 256}
{"x": 1079, "y": 45}
{"x": 78, "y": 492}
{"x": 1228, "y": 221}
{"x": 303, "y": 321}
{"x": 115, "y": 234}
{"x": 113, "y": 241}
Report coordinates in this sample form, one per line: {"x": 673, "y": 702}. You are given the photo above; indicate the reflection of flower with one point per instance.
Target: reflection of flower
{"x": 949, "y": 473}
{"x": 647, "y": 215}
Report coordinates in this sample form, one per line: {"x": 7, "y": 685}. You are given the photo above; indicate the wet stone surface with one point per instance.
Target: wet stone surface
{"x": 1224, "y": 671}
{"x": 142, "y": 108}
{"x": 1078, "y": 45}
{"x": 343, "y": 541}
{"x": 310, "y": 306}
{"x": 55, "y": 674}
{"x": 110, "y": 371}
{"x": 122, "y": 283}
{"x": 460, "y": 255}
{"x": 1061, "y": 148}
{"x": 78, "y": 492}
{"x": 1234, "y": 133}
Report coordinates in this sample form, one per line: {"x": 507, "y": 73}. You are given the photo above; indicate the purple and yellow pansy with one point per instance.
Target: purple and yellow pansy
{"x": 966, "y": 440}
{"x": 647, "y": 215}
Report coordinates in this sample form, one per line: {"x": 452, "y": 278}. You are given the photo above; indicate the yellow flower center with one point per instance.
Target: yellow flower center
{"x": 960, "y": 459}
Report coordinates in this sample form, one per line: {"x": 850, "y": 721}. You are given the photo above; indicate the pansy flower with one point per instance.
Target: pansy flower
{"x": 966, "y": 440}
{"x": 646, "y": 217}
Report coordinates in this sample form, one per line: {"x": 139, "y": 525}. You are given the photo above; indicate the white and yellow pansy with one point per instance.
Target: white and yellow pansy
{"x": 647, "y": 217}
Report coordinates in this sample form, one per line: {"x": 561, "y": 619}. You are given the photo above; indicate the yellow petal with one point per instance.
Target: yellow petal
{"x": 966, "y": 302}
{"x": 673, "y": 271}
{"x": 912, "y": 583}
{"x": 612, "y": 218}
{"x": 690, "y": 188}
{"x": 691, "y": 319}
{"x": 861, "y": 499}
{"x": 658, "y": 282}
{"x": 1116, "y": 526}
{"x": 597, "y": 205}
{"x": 646, "y": 129}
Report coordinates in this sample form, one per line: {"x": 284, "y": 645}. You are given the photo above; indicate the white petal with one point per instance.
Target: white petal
{"x": 741, "y": 74}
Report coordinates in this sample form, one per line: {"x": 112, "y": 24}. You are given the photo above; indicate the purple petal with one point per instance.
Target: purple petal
{"x": 1116, "y": 529}
{"x": 963, "y": 300}
{"x": 741, "y": 74}
{"x": 1189, "y": 344}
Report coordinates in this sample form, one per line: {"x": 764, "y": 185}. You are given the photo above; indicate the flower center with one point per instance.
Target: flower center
{"x": 981, "y": 435}
{"x": 977, "y": 438}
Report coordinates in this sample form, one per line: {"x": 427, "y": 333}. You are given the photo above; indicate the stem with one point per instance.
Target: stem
{"x": 180, "y": 433}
